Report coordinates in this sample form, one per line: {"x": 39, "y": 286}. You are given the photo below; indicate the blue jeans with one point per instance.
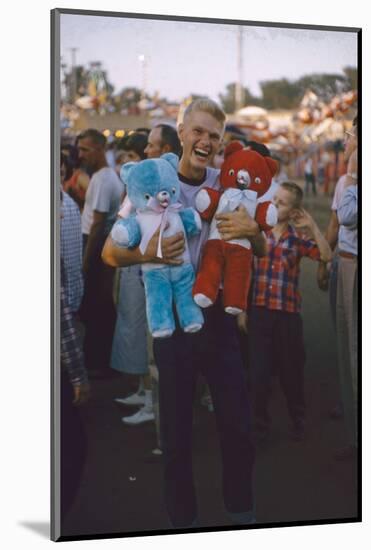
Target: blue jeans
{"x": 214, "y": 351}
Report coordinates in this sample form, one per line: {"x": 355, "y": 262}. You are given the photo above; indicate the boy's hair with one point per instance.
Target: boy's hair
{"x": 258, "y": 147}
{"x": 206, "y": 105}
{"x": 136, "y": 142}
{"x": 97, "y": 137}
{"x": 296, "y": 192}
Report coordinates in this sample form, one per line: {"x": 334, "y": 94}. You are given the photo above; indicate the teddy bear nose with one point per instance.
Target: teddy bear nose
{"x": 163, "y": 196}
{"x": 243, "y": 178}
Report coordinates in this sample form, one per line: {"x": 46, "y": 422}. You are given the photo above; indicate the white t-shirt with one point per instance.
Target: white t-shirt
{"x": 187, "y": 197}
{"x": 308, "y": 167}
{"x": 103, "y": 195}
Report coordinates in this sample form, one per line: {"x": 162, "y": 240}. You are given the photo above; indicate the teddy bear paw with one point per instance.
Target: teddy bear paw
{"x": 193, "y": 328}
{"x": 120, "y": 235}
{"x": 202, "y": 300}
{"x": 202, "y": 201}
{"x": 164, "y": 333}
{"x": 233, "y": 310}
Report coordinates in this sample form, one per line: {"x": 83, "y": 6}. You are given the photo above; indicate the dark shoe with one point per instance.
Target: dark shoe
{"x": 243, "y": 518}
{"x": 261, "y": 437}
{"x": 101, "y": 374}
{"x": 297, "y": 431}
{"x": 337, "y": 413}
{"x": 349, "y": 452}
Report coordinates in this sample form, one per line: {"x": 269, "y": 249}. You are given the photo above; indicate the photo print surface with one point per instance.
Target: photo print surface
{"x": 205, "y": 274}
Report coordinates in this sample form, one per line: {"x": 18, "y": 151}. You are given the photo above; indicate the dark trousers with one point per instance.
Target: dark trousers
{"x": 98, "y": 313}
{"x": 73, "y": 447}
{"x": 333, "y": 283}
{"x": 214, "y": 352}
{"x": 276, "y": 345}
{"x": 310, "y": 180}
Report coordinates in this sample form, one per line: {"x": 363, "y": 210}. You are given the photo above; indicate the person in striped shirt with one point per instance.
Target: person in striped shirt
{"x": 275, "y": 325}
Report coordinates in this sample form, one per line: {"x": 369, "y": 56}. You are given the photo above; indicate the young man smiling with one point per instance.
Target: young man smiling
{"x": 214, "y": 351}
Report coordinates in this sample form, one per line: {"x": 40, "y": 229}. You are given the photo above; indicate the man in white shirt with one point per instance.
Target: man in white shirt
{"x": 309, "y": 177}
{"x": 102, "y": 202}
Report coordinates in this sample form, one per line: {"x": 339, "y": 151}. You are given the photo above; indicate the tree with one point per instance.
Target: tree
{"x": 351, "y": 74}
{"x": 325, "y": 86}
{"x": 129, "y": 97}
{"x": 280, "y": 94}
{"x": 91, "y": 81}
{"x": 228, "y": 99}
{"x": 76, "y": 82}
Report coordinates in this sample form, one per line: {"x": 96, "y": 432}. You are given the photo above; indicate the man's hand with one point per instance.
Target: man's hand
{"x": 242, "y": 322}
{"x": 322, "y": 276}
{"x": 172, "y": 248}
{"x": 237, "y": 225}
{"x": 81, "y": 393}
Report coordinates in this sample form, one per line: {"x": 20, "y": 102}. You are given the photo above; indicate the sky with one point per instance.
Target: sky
{"x": 200, "y": 58}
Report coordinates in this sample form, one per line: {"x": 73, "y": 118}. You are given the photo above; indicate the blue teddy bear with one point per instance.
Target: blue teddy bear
{"x": 153, "y": 189}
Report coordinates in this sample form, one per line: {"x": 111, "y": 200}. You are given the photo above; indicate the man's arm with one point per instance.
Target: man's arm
{"x": 172, "y": 248}
{"x": 239, "y": 225}
{"x": 332, "y": 230}
{"x": 331, "y": 235}
{"x": 348, "y": 208}
{"x": 71, "y": 352}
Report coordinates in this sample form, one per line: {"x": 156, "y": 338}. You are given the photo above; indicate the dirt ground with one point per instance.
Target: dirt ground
{"x": 121, "y": 488}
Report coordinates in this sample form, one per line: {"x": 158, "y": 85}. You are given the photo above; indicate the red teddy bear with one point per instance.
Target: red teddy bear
{"x": 245, "y": 176}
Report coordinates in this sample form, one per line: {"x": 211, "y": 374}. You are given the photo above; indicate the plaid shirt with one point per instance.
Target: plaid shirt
{"x": 71, "y": 251}
{"x": 276, "y": 276}
{"x": 71, "y": 353}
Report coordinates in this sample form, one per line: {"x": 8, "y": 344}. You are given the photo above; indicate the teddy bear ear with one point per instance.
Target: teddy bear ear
{"x": 272, "y": 165}
{"x": 232, "y": 147}
{"x": 125, "y": 171}
{"x": 172, "y": 158}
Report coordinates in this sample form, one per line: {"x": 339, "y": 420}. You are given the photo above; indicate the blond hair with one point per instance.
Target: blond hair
{"x": 205, "y": 105}
{"x": 296, "y": 192}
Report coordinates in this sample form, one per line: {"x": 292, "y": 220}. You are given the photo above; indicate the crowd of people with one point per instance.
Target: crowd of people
{"x": 103, "y": 304}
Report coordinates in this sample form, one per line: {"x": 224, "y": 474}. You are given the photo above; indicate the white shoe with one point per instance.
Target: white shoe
{"x": 193, "y": 328}
{"x": 134, "y": 400}
{"x": 143, "y": 415}
{"x": 157, "y": 452}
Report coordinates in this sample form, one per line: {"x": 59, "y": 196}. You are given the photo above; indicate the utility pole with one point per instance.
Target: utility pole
{"x": 73, "y": 90}
{"x": 239, "y": 84}
{"x": 63, "y": 83}
{"x": 143, "y": 61}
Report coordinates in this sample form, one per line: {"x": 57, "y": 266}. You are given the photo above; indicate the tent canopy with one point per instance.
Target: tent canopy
{"x": 252, "y": 111}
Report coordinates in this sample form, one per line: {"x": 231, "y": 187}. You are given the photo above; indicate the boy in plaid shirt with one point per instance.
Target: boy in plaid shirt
{"x": 275, "y": 325}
